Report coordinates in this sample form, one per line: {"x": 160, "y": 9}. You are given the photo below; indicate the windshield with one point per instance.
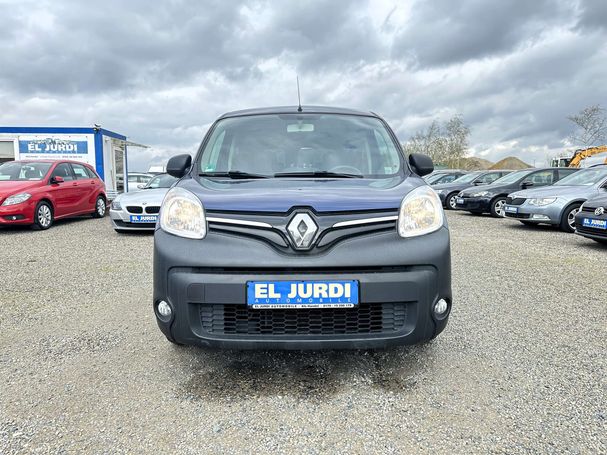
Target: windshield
{"x": 511, "y": 178}
{"x": 18, "y": 171}
{"x": 301, "y": 144}
{"x": 161, "y": 181}
{"x": 467, "y": 178}
{"x": 585, "y": 177}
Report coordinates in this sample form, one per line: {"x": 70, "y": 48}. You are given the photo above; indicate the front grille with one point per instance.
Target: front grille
{"x": 588, "y": 209}
{"x": 520, "y": 216}
{"x": 515, "y": 201}
{"x": 586, "y": 230}
{"x": 364, "y": 319}
{"x": 134, "y": 209}
{"x": 152, "y": 210}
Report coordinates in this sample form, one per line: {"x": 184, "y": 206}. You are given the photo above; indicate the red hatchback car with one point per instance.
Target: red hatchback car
{"x": 39, "y": 192}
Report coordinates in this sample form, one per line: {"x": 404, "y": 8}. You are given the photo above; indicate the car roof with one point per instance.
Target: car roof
{"x": 294, "y": 110}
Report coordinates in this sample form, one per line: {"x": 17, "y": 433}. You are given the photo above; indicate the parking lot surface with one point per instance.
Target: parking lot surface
{"x": 521, "y": 367}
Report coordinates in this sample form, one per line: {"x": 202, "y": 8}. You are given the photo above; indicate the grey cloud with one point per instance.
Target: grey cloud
{"x": 444, "y": 32}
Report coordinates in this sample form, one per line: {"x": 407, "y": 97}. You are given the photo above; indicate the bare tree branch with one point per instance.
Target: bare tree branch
{"x": 591, "y": 126}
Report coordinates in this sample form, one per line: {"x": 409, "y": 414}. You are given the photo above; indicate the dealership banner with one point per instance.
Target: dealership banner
{"x": 53, "y": 146}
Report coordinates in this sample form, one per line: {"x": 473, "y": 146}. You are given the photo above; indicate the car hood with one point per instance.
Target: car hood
{"x": 599, "y": 201}
{"x": 150, "y": 196}
{"x": 556, "y": 191}
{"x": 9, "y": 188}
{"x": 281, "y": 195}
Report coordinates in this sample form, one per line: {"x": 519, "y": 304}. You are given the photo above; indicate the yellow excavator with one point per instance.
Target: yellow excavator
{"x": 580, "y": 155}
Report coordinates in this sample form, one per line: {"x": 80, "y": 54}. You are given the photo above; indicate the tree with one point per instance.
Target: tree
{"x": 445, "y": 144}
{"x": 591, "y": 126}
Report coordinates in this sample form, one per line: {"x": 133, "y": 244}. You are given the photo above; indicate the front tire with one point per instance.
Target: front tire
{"x": 43, "y": 216}
{"x": 568, "y": 218}
{"x": 497, "y": 207}
{"x": 451, "y": 205}
{"x": 100, "y": 207}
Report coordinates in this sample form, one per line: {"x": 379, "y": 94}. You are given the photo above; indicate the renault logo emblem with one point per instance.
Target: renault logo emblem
{"x": 599, "y": 211}
{"x": 302, "y": 229}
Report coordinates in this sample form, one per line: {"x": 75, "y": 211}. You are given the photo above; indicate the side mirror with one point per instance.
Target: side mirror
{"x": 57, "y": 179}
{"x": 421, "y": 164}
{"x": 527, "y": 184}
{"x": 140, "y": 185}
{"x": 179, "y": 165}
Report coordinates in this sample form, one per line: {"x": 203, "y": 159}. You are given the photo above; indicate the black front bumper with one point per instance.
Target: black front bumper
{"x": 204, "y": 282}
{"x": 590, "y": 232}
{"x": 474, "y": 204}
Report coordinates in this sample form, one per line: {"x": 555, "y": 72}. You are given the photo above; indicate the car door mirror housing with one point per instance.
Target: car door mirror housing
{"x": 421, "y": 164}
{"x": 179, "y": 165}
{"x": 57, "y": 179}
{"x": 527, "y": 184}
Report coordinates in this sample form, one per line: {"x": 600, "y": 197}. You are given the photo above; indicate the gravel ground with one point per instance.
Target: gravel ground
{"x": 521, "y": 367}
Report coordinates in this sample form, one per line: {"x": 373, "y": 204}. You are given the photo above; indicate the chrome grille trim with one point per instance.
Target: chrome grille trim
{"x": 260, "y": 224}
{"x": 380, "y": 219}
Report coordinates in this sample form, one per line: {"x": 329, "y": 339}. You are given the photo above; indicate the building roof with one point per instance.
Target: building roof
{"x": 58, "y": 130}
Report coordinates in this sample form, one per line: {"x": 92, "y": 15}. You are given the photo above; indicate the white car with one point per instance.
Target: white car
{"x": 138, "y": 210}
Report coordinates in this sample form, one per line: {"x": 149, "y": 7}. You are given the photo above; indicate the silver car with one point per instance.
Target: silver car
{"x": 559, "y": 203}
{"x": 138, "y": 211}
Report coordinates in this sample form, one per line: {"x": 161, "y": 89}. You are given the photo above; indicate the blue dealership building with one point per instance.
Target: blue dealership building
{"x": 105, "y": 150}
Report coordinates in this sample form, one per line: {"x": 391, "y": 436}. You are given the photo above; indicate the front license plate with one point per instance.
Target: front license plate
{"x": 596, "y": 224}
{"x": 302, "y": 294}
{"x": 144, "y": 218}
{"x": 459, "y": 200}
{"x": 511, "y": 209}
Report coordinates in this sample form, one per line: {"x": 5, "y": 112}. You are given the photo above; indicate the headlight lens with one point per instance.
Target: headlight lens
{"x": 116, "y": 205}
{"x": 17, "y": 199}
{"x": 421, "y": 212}
{"x": 182, "y": 214}
{"x": 480, "y": 194}
{"x": 539, "y": 202}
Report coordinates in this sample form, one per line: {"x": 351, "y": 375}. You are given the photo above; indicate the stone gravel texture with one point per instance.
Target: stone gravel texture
{"x": 521, "y": 367}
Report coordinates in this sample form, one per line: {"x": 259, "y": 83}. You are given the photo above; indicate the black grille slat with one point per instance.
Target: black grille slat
{"x": 586, "y": 230}
{"x": 364, "y": 319}
{"x": 134, "y": 209}
{"x": 515, "y": 201}
{"x": 152, "y": 210}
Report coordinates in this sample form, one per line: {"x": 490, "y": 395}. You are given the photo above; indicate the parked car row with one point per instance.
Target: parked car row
{"x": 573, "y": 199}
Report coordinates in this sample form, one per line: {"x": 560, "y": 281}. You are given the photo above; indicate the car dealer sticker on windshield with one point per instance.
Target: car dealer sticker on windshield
{"x": 302, "y": 294}
{"x": 144, "y": 218}
{"x": 592, "y": 223}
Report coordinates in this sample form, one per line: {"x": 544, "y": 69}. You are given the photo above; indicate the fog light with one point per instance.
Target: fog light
{"x": 164, "y": 309}
{"x": 440, "y": 307}
{"x": 535, "y": 216}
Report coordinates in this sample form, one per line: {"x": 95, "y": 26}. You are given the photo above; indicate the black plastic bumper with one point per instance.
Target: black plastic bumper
{"x": 190, "y": 274}
{"x": 473, "y": 204}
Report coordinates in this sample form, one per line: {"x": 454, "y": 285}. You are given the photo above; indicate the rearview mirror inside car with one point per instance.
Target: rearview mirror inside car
{"x": 179, "y": 165}
{"x": 57, "y": 179}
{"x": 421, "y": 164}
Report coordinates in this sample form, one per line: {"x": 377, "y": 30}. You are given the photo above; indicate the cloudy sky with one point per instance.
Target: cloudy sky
{"x": 161, "y": 72}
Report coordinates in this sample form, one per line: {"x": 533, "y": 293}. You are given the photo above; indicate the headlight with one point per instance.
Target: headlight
{"x": 480, "y": 194}
{"x": 539, "y": 202}
{"x": 439, "y": 191}
{"x": 421, "y": 212}
{"x": 17, "y": 199}
{"x": 116, "y": 205}
{"x": 182, "y": 214}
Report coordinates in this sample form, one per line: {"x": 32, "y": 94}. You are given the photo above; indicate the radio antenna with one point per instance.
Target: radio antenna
{"x": 299, "y": 109}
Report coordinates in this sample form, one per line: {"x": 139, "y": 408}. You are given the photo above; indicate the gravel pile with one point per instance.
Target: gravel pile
{"x": 521, "y": 368}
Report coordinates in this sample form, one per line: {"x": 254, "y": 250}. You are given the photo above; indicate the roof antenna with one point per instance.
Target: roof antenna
{"x": 299, "y": 109}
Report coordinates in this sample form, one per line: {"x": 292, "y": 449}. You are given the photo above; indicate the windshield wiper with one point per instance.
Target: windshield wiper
{"x": 234, "y": 175}
{"x": 330, "y": 174}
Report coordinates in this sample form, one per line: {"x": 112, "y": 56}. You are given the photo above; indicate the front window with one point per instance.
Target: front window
{"x": 511, "y": 178}
{"x": 161, "y": 181}
{"x": 301, "y": 144}
{"x": 586, "y": 177}
{"x": 467, "y": 178}
{"x": 18, "y": 171}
